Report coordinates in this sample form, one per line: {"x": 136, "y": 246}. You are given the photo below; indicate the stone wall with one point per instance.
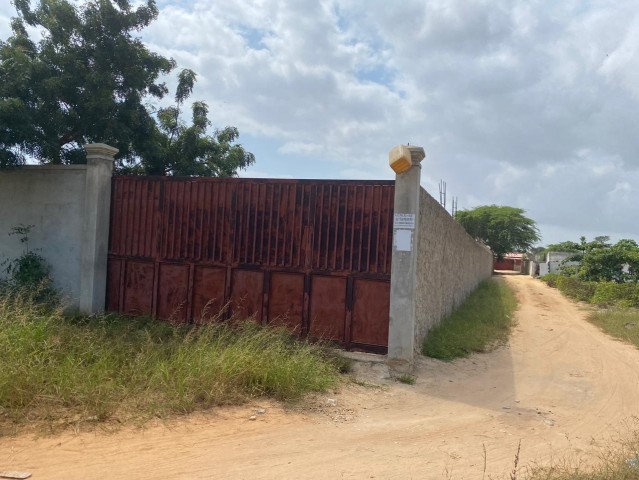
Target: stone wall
{"x": 450, "y": 265}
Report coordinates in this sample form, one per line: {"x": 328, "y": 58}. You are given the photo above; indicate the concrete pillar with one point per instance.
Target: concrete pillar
{"x": 401, "y": 335}
{"x": 95, "y": 227}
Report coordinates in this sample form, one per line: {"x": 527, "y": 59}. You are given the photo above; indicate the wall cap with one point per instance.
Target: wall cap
{"x": 100, "y": 150}
{"x": 417, "y": 154}
{"x": 44, "y": 168}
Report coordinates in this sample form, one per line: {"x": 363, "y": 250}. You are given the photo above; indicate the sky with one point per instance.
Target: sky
{"x": 531, "y": 104}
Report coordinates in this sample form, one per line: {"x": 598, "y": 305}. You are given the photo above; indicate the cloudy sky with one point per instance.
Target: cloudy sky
{"x": 533, "y": 104}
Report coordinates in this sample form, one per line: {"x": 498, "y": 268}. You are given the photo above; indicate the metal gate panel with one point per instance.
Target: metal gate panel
{"x": 247, "y": 290}
{"x": 369, "y": 298}
{"x": 138, "y": 283}
{"x": 172, "y": 300}
{"x": 328, "y": 307}
{"x": 209, "y": 291}
{"x": 134, "y": 208}
{"x": 310, "y": 254}
{"x": 286, "y": 300}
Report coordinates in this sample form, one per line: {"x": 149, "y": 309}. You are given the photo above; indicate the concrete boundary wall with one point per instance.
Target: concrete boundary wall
{"x": 435, "y": 263}
{"x": 450, "y": 265}
{"x": 68, "y": 205}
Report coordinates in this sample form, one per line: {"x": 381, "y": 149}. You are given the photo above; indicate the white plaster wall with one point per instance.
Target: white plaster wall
{"x": 532, "y": 268}
{"x": 543, "y": 269}
{"x": 450, "y": 265}
{"x": 555, "y": 261}
{"x": 52, "y": 198}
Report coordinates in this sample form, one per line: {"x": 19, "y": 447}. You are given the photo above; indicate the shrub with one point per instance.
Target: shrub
{"x": 576, "y": 289}
{"x": 622, "y": 295}
{"x": 603, "y": 294}
{"x": 550, "y": 279}
{"x": 29, "y": 272}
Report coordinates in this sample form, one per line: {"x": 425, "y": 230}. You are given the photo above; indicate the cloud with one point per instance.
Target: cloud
{"x": 524, "y": 103}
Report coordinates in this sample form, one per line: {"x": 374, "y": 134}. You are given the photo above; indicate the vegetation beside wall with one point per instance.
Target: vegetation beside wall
{"x": 603, "y": 294}
{"x": 483, "y": 321}
{"x": 29, "y": 272}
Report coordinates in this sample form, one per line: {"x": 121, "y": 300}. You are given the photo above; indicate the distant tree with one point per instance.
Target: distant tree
{"x": 88, "y": 80}
{"x": 604, "y": 262}
{"x": 564, "y": 247}
{"x": 504, "y": 229}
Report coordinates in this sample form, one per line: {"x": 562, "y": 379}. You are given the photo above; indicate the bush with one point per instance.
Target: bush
{"x": 29, "y": 272}
{"x": 623, "y": 295}
{"x": 550, "y": 279}
{"x": 576, "y": 289}
{"x": 603, "y": 294}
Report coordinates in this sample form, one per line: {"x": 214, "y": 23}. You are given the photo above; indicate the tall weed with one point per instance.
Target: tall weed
{"x": 55, "y": 367}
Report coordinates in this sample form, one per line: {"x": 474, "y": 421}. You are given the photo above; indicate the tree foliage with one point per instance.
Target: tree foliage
{"x": 182, "y": 150}
{"x": 567, "y": 247}
{"x": 504, "y": 229}
{"x": 89, "y": 79}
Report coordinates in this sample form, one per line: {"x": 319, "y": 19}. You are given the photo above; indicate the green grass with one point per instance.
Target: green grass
{"x": 622, "y": 324}
{"x": 483, "y": 321}
{"x": 54, "y": 368}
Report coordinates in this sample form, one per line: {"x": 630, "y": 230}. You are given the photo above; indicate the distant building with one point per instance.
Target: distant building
{"x": 511, "y": 261}
{"x": 556, "y": 260}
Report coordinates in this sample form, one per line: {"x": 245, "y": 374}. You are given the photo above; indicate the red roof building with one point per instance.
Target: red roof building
{"x": 511, "y": 261}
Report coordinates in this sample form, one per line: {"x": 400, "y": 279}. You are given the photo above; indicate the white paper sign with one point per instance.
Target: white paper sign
{"x": 404, "y": 240}
{"x": 404, "y": 220}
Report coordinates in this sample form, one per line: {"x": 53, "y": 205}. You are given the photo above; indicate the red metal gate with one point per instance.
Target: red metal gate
{"x": 314, "y": 255}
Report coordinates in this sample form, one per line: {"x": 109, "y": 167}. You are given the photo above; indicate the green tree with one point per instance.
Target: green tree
{"x": 604, "y": 262}
{"x": 567, "y": 246}
{"x": 84, "y": 81}
{"x": 504, "y": 229}
{"x": 87, "y": 80}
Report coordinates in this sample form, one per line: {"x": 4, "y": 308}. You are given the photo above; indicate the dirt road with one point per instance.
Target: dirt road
{"x": 559, "y": 386}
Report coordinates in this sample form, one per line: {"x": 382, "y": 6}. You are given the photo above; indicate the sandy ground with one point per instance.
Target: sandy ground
{"x": 560, "y": 386}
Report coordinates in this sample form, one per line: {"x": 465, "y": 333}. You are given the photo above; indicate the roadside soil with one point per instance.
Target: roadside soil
{"x": 560, "y": 386}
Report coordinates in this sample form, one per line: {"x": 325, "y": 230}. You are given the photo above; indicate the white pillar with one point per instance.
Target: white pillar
{"x": 406, "y": 161}
{"x": 95, "y": 227}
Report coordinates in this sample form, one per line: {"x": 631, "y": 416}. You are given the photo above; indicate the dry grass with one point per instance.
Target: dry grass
{"x": 619, "y": 460}
{"x": 53, "y": 368}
